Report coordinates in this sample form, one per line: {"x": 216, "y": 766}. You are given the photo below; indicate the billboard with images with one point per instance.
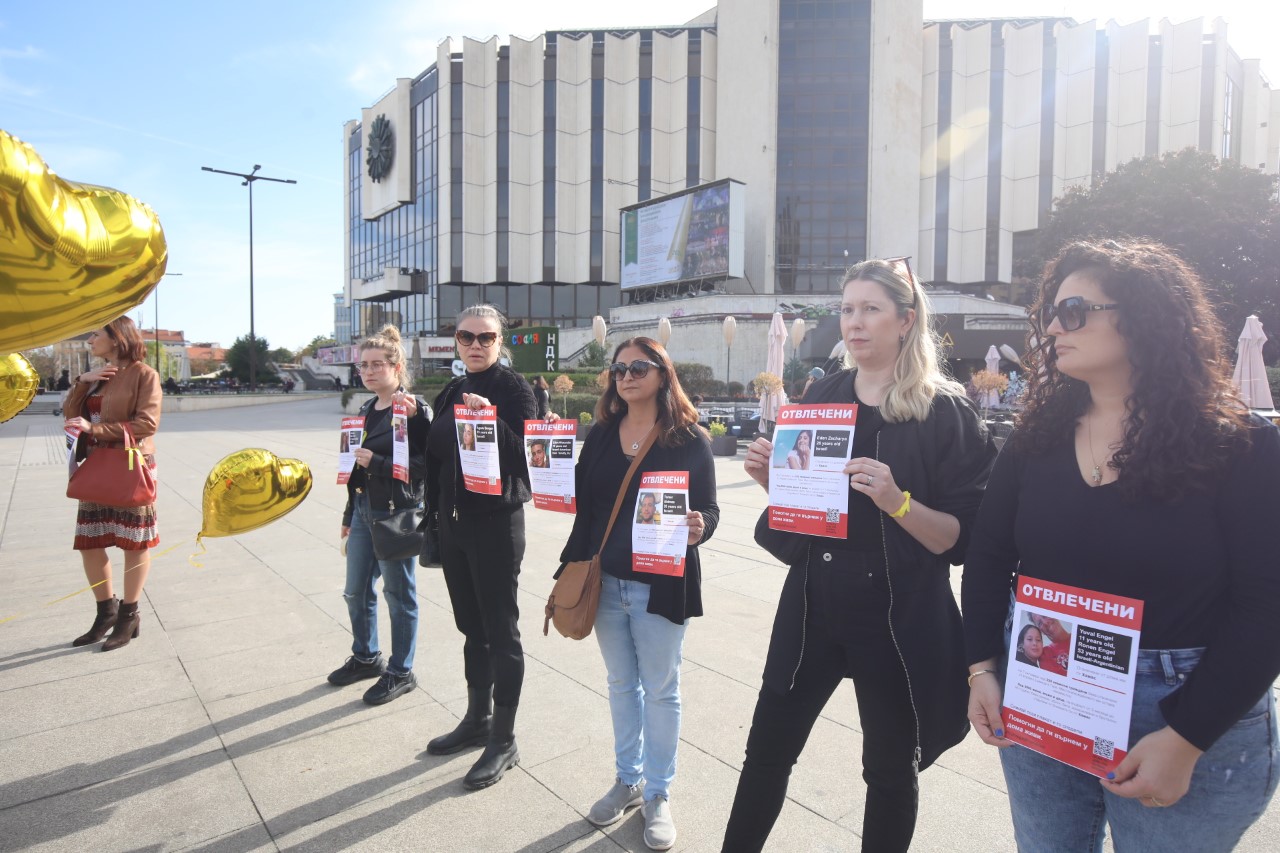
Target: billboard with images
{"x": 690, "y": 235}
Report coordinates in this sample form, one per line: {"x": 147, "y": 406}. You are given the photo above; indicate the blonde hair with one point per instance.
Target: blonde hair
{"x": 917, "y": 376}
{"x": 387, "y": 339}
{"x": 489, "y": 312}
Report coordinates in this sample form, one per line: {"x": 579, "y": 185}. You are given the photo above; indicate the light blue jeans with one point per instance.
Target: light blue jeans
{"x": 398, "y": 585}
{"x": 642, "y": 655}
{"x": 1058, "y": 809}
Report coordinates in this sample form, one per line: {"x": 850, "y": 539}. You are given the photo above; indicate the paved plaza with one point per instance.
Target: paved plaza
{"x": 216, "y": 731}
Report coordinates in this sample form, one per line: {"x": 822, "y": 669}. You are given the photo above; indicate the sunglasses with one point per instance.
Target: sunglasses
{"x": 1070, "y": 313}
{"x": 639, "y": 369}
{"x": 486, "y": 339}
{"x": 904, "y": 263}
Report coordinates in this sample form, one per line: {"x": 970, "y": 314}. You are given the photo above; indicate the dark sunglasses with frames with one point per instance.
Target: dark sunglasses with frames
{"x": 904, "y": 262}
{"x": 1071, "y": 313}
{"x": 486, "y": 339}
{"x": 639, "y": 369}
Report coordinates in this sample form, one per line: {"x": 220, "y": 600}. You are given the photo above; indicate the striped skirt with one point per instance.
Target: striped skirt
{"x": 126, "y": 528}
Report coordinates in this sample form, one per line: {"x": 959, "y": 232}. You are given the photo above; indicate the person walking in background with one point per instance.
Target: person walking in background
{"x": 876, "y": 606}
{"x": 1134, "y": 470}
{"x": 373, "y": 494}
{"x": 482, "y": 541}
{"x": 642, "y": 617}
{"x": 542, "y": 395}
{"x": 103, "y": 402}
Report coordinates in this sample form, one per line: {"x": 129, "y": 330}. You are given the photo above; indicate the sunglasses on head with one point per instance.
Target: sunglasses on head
{"x": 1070, "y": 313}
{"x": 904, "y": 263}
{"x": 486, "y": 339}
{"x": 639, "y": 369}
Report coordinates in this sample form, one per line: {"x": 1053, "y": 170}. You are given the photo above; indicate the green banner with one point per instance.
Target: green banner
{"x": 535, "y": 349}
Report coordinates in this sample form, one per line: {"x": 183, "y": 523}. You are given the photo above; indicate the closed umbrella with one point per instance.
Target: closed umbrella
{"x": 993, "y": 367}
{"x": 1250, "y": 375}
{"x": 771, "y": 400}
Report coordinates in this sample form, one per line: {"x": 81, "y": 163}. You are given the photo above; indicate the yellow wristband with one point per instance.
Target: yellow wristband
{"x": 905, "y": 508}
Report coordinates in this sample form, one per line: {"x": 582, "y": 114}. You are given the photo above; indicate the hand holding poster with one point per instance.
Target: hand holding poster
{"x": 349, "y": 440}
{"x": 400, "y": 441}
{"x": 808, "y": 490}
{"x": 1072, "y": 665}
{"x": 478, "y": 449}
{"x": 550, "y": 448}
{"x": 660, "y": 531}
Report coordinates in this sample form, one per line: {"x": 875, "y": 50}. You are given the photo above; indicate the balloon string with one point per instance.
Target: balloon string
{"x": 83, "y": 590}
{"x": 203, "y": 550}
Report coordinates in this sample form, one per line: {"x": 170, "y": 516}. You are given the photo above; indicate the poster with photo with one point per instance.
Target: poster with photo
{"x": 400, "y": 441}
{"x": 350, "y": 437}
{"x": 72, "y": 435}
{"x": 808, "y": 490}
{"x": 549, "y": 449}
{"x": 1072, "y": 663}
{"x": 660, "y": 524}
{"x": 478, "y": 449}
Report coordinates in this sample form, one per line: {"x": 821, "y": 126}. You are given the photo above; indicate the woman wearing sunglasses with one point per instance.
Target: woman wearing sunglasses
{"x": 1135, "y": 471}
{"x": 482, "y": 543}
{"x": 876, "y": 606}
{"x": 641, "y": 619}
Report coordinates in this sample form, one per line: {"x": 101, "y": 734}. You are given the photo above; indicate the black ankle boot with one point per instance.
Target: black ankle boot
{"x": 128, "y": 625}
{"x": 102, "y": 623}
{"x": 500, "y": 755}
{"x": 472, "y": 730}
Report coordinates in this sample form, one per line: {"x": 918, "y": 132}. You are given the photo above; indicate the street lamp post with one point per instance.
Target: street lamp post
{"x": 248, "y": 180}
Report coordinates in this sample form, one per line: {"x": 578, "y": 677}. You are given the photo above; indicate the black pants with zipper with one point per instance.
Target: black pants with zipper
{"x": 481, "y": 556}
{"x": 846, "y": 636}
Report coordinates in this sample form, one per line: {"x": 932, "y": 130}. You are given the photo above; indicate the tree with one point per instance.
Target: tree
{"x": 43, "y": 362}
{"x": 1221, "y": 217}
{"x": 595, "y": 355}
{"x": 282, "y": 355}
{"x": 563, "y": 385}
{"x": 316, "y": 343}
{"x": 238, "y": 360}
{"x": 695, "y": 378}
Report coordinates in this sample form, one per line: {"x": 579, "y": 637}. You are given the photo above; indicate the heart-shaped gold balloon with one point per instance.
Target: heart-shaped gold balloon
{"x": 18, "y": 384}
{"x": 73, "y": 257}
{"x": 251, "y": 488}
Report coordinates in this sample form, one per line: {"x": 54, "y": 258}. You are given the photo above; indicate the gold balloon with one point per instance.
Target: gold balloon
{"x": 18, "y": 384}
{"x": 252, "y": 488}
{"x": 73, "y": 257}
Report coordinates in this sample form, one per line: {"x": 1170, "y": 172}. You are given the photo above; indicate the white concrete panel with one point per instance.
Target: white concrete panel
{"x": 1127, "y": 72}
{"x": 928, "y": 148}
{"x": 894, "y": 128}
{"x": 444, "y": 159}
{"x": 1073, "y": 105}
{"x": 1180, "y": 84}
{"x": 621, "y": 83}
{"x": 396, "y": 189}
{"x": 525, "y": 149}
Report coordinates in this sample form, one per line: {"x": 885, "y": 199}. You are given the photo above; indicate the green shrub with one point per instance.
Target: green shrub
{"x": 1273, "y": 376}
{"x": 577, "y": 405}
{"x": 696, "y": 378}
{"x": 718, "y": 429}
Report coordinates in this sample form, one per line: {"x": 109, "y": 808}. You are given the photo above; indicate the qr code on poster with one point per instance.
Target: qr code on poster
{"x": 1104, "y": 748}
{"x": 833, "y": 516}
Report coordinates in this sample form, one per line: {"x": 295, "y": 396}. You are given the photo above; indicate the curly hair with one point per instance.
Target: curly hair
{"x": 1184, "y": 417}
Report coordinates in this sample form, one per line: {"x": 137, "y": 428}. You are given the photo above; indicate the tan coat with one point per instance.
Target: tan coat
{"x": 132, "y": 396}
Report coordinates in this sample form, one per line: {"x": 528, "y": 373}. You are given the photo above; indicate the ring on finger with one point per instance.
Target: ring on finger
{"x": 1157, "y": 803}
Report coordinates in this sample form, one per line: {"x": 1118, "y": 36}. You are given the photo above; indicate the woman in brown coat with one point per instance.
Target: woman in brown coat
{"x": 125, "y": 391}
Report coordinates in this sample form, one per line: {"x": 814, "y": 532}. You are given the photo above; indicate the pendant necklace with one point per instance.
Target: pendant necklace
{"x": 635, "y": 445}
{"x": 1097, "y": 469}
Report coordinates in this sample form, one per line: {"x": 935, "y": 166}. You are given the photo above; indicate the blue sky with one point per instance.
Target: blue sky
{"x": 139, "y": 95}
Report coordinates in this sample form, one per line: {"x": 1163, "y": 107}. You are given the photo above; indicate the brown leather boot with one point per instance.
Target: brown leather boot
{"x": 128, "y": 623}
{"x": 102, "y": 623}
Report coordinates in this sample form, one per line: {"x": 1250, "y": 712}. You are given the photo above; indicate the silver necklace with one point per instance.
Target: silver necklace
{"x": 1096, "y": 476}
{"x": 635, "y": 445}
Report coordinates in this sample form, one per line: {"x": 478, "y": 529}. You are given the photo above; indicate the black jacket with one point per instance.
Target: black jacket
{"x": 944, "y": 461}
{"x": 513, "y": 397}
{"x": 383, "y": 490}
{"x": 676, "y": 599}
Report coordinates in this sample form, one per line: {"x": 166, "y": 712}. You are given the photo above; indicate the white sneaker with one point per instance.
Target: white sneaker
{"x": 659, "y": 829}
{"x": 610, "y": 808}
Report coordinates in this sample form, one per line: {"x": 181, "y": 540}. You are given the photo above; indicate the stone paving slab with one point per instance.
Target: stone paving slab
{"x": 215, "y": 731}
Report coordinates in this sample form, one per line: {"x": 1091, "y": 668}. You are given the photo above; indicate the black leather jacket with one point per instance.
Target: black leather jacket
{"x": 384, "y": 491}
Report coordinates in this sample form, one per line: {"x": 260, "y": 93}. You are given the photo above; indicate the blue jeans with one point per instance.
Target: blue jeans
{"x": 1058, "y": 808}
{"x": 398, "y": 585}
{"x": 642, "y": 655}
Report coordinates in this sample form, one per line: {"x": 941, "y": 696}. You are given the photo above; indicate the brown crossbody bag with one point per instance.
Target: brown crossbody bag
{"x": 576, "y": 595}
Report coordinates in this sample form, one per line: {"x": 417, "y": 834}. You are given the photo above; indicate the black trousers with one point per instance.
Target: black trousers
{"x": 846, "y": 636}
{"x": 481, "y": 556}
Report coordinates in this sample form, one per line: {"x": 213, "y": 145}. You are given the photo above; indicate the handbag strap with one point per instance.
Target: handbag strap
{"x": 626, "y": 481}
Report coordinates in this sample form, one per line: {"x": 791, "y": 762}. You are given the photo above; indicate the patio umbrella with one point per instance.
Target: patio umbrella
{"x": 770, "y": 400}
{"x": 993, "y": 367}
{"x": 1250, "y": 375}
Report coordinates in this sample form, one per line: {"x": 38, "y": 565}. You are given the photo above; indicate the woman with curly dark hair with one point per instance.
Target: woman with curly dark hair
{"x": 1136, "y": 471}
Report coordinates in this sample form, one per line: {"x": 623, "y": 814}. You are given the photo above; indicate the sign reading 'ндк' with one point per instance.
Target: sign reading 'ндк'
{"x": 534, "y": 349}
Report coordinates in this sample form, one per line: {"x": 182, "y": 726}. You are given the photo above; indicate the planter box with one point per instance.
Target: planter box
{"x": 724, "y": 445}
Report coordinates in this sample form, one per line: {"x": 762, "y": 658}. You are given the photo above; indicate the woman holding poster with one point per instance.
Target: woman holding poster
{"x": 1136, "y": 473}
{"x": 876, "y": 605}
{"x": 645, "y": 603}
{"x": 374, "y": 492}
{"x": 482, "y": 540}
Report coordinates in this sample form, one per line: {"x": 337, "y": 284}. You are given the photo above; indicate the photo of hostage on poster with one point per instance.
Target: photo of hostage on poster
{"x": 350, "y": 438}
{"x": 660, "y": 528}
{"x": 808, "y": 489}
{"x": 1071, "y": 671}
{"x": 400, "y": 442}
{"x": 550, "y": 449}
{"x": 478, "y": 449}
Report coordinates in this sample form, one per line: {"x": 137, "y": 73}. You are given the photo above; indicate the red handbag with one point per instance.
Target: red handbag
{"x": 115, "y": 476}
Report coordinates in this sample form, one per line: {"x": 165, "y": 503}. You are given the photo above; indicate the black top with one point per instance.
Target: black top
{"x": 864, "y": 515}
{"x": 1205, "y": 568}
{"x": 511, "y": 394}
{"x": 676, "y": 599}
{"x": 376, "y": 482}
